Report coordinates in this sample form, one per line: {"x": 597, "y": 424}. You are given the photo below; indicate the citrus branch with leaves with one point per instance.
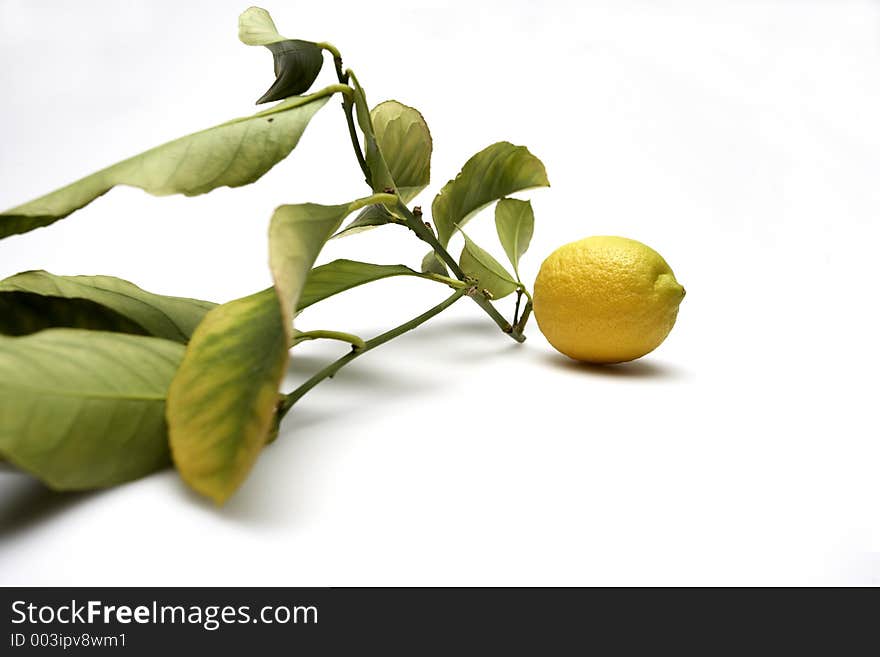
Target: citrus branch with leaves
{"x": 102, "y": 382}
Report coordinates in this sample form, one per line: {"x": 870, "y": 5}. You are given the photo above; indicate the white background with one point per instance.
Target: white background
{"x": 740, "y": 139}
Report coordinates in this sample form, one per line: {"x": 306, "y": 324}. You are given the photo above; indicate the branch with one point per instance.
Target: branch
{"x": 347, "y": 106}
{"x": 427, "y": 235}
{"x": 289, "y": 400}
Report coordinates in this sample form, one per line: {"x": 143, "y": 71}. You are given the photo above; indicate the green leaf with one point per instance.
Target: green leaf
{"x": 221, "y": 403}
{"x": 493, "y": 173}
{"x": 232, "y": 154}
{"x": 370, "y": 217}
{"x": 381, "y": 178}
{"x": 341, "y": 275}
{"x": 23, "y": 313}
{"x": 515, "y": 223}
{"x": 297, "y": 62}
{"x": 488, "y": 272}
{"x": 432, "y": 264}
{"x": 85, "y": 409}
{"x": 297, "y": 234}
{"x": 405, "y": 142}
{"x": 297, "y": 65}
{"x": 403, "y": 148}
{"x": 34, "y": 300}
{"x": 256, "y": 27}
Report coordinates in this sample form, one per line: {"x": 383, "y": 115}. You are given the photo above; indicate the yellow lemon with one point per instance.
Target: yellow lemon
{"x": 606, "y": 299}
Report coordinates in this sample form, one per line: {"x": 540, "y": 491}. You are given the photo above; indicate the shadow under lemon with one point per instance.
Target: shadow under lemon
{"x": 647, "y": 369}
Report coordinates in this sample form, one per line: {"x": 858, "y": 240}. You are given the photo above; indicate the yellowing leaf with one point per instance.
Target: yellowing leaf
{"x": 221, "y": 404}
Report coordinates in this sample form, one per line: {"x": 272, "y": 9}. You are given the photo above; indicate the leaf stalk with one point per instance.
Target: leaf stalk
{"x": 302, "y": 336}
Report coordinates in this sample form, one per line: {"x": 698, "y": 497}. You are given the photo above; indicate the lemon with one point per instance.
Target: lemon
{"x": 606, "y": 299}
